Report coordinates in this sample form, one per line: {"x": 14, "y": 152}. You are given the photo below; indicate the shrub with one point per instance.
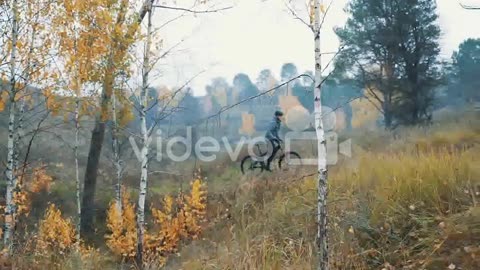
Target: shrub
{"x": 178, "y": 219}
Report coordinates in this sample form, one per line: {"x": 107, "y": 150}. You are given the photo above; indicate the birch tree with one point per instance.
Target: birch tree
{"x": 23, "y": 64}
{"x": 125, "y": 30}
{"x": 116, "y": 155}
{"x": 10, "y": 174}
{"x": 122, "y": 34}
{"x": 322, "y": 236}
{"x": 82, "y": 47}
{"x": 164, "y": 106}
{"x": 318, "y": 12}
{"x": 145, "y": 141}
{"x": 78, "y": 83}
{"x": 122, "y": 115}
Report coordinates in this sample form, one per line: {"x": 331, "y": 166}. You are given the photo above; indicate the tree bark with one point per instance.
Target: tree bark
{"x": 145, "y": 146}
{"x": 389, "y": 89}
{"x": 93, "y": 160}
{"x": 10, "y": 173}
{"x": 116, "y": 156}
{"x": 322, "y": 236}
{"x": 98, "y": 133}
{"x": 77, "y": 170}
{"x": 77, "y": 94}
{"x": 90, "y": 181}
{"x": 11, "y": 180}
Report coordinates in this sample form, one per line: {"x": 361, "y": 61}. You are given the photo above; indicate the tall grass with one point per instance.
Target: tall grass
{"x": 411, "y": 205}
{"x": 403, "y": 201}
{"x": 398, "y": 206}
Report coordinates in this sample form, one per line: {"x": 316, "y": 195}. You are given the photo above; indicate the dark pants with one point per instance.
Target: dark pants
{"x": 275, "y": 147}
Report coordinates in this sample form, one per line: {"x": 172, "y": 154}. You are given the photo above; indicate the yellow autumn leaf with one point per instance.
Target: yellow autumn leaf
{"x": 122, "y": 236}
{"x": 41, "y": 180}
{"x": 178, "y": 218}
{"x": 3, "y": 100}
{"x": 56, "y": 234}
{"x": 126, "y": 116}
{"x": 312, "y": 11}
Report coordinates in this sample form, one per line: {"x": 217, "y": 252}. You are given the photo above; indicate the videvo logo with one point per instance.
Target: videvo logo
{"x": 302, "y": 126}
{"x": 206, "y": 148}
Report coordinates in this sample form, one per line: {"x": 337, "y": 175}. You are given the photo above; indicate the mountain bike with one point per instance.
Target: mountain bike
{"x": 258, "y": 163}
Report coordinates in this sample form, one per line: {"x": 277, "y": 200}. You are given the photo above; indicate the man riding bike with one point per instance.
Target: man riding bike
{"x": 272, "y": 136}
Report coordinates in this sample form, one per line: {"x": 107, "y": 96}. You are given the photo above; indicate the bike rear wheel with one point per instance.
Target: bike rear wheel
{"x": 249, "y": 165}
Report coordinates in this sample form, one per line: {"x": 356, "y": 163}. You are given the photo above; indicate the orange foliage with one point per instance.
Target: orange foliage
{"x": 56, "y": 240}
{"x": 3, "y": 100}
{"x": 184, "y": 223}
{"x": 126, "y": 114}
{"x": 41, "y": 180}
{"x": 122, "y": 226}
{"x": 55, "y": 233}
{"x": 22, "y": 201}
{"x": 171, "y": 228}
{"x": 52, "y": 103}
{"x": 84, "y": 48}
{"x": 195, "y": 208}
{"x": 178, "y": 219}
{"x": 22, "y": 196}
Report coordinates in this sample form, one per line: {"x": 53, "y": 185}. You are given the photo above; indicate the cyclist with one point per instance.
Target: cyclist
{"x": 272, "y": 136}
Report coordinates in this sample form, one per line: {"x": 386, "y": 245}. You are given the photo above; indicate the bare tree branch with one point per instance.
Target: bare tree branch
{"x": 30, "y": 143}
{"x": 295, "y": 15}
{"x": 170, "y": 21}
{"x": 325, "y": 14}
{"x": 370, "y": 90}
{"x": 373, "y": 103}
{"x": 167, "y": 52}
{"x": 191, "y": 10}
{"x": 168, "y": 103}
{"x": 165, "y": 172}
{"x": 333, "y": 58}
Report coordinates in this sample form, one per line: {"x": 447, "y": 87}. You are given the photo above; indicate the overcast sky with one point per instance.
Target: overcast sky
{"x": 258, "y": 34}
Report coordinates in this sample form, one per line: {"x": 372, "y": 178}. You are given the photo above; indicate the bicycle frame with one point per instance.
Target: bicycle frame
{"x": 279, "y": 152}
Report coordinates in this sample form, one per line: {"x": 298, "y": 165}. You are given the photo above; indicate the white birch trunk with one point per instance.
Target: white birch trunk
{"x": 322, "y": 241}
{"x": 11, "y": 180}
{"x": 145, "y": 144}
{"x": 77, "y": 90}
{"x": 10, "y": 173}
{"x": 77, "y": 169}
{"x": 116, "y": 156}
{"x": 20, "y": 133}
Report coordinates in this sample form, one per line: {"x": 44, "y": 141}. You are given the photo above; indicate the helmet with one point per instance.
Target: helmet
{"x": 278, "y": 113}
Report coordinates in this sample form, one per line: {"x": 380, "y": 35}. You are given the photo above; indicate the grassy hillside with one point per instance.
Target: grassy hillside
{"x": 404, "y": 203}
{"x": 404, "y": 200}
